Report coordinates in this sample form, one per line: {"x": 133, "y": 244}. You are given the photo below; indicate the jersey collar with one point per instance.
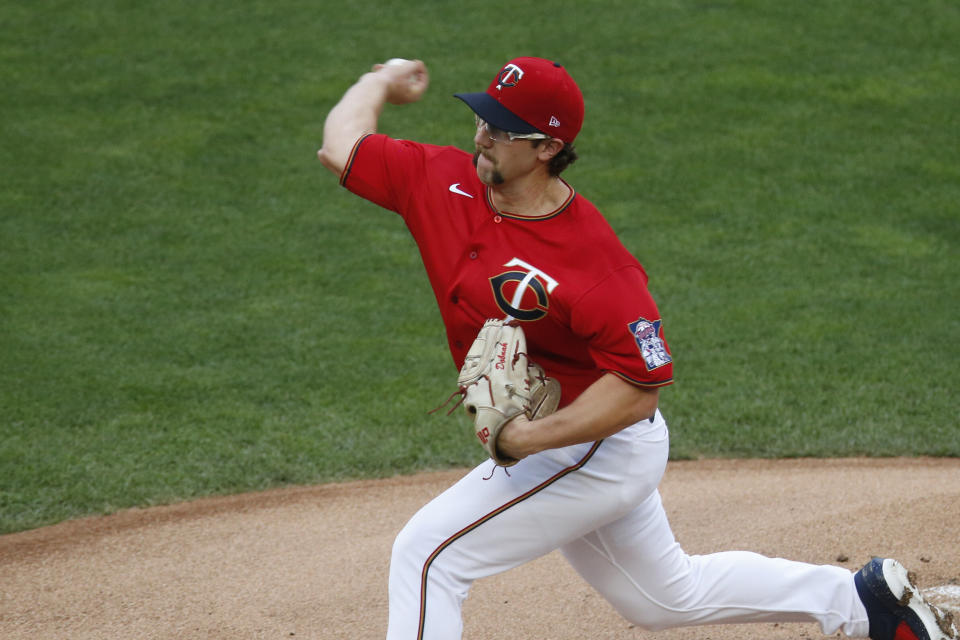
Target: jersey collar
{"x": 546, "y": 216}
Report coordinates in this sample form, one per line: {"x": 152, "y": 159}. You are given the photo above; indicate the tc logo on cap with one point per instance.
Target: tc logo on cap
{"x": 509, "y": 76}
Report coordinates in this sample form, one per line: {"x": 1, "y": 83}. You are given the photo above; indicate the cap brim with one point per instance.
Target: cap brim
{"x": 495, "y": 113}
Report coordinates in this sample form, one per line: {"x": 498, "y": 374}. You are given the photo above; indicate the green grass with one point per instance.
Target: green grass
{"x": 190, "y": 305}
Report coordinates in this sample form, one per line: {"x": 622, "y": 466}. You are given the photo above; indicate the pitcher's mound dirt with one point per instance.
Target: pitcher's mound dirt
{"x": 311, "y": 563}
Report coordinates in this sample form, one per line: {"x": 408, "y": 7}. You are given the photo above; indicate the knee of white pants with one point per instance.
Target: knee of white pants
{"x": 426, "y": 590}
{"x": 409, "y": 555}
{"x": 660, "y": 605}
{"x": 403, "y": 553}
{"x": 417, "y": 556}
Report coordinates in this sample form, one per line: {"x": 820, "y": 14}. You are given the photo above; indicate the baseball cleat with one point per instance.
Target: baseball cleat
{"x": 895, "y": 608}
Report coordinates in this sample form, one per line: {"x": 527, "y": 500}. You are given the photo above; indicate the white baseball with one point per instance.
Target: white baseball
{"x": 395, "y": 61}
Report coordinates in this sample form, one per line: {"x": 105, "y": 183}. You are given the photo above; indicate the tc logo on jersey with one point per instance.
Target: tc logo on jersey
{"x": 523, "y": 294}
{"x": 651, "y": 345}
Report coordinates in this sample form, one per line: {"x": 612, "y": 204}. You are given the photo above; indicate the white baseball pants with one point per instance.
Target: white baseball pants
{"x": 600, "y": 505}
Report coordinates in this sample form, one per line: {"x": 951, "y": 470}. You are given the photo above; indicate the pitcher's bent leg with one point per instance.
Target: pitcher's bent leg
{"x": 637, "y": 564}
{"x": 490, "y": 521}
{"x": 486, "y": 523}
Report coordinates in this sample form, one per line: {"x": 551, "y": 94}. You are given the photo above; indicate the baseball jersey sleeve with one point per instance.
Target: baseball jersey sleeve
{"x": 619, "y": 320}
{"x": 383, "y": 170}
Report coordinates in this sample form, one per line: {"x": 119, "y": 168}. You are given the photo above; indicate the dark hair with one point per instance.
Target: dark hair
{"x": 564, "y": 158}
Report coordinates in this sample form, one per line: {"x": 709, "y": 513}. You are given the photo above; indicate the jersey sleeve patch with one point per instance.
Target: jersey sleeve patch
{"x": 652, "y": 347}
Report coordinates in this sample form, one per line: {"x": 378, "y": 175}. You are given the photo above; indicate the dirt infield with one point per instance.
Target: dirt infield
{"x": 311, "y": 563}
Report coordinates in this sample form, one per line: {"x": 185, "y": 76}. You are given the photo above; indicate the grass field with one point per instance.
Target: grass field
{"x": 190, "y": 305}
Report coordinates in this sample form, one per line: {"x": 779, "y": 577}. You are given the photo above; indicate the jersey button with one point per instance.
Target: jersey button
{"x": 473, "y": 255}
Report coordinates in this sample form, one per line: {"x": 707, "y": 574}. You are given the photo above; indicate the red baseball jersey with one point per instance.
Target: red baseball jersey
{"x": 582, "y": 297}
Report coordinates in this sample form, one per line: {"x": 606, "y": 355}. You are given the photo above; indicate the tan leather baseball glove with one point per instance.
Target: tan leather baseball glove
{"x": 498, "y": 383}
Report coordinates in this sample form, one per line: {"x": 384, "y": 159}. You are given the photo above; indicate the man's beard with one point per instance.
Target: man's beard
{"x": 497, "y": 177}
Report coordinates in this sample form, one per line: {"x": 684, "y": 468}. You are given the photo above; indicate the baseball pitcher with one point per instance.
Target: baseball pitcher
{"x": 562, "y": 354}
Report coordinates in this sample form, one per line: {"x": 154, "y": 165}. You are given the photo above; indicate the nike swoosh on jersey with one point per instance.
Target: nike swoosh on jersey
{"x": 455, "y": 188}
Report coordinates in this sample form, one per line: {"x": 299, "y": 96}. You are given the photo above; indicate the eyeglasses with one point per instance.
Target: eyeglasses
{"x": 506, "y": 137}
